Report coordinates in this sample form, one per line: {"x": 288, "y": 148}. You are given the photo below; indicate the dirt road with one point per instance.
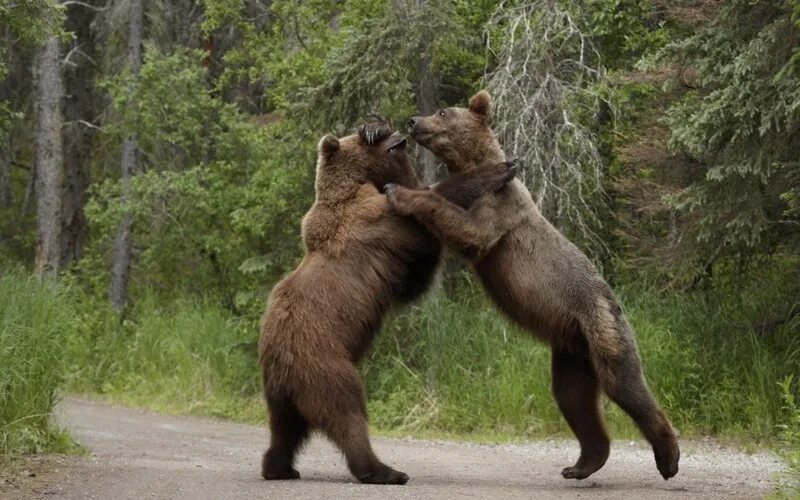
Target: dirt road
{"x": 137, "y": 454}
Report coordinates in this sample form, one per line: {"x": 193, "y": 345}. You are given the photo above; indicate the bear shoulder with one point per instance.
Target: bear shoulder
{"x": 330, "y": 225}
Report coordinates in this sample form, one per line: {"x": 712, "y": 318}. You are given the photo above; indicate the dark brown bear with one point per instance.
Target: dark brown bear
{"x": 361, "y": 258}
{"x": 544, "y": 283}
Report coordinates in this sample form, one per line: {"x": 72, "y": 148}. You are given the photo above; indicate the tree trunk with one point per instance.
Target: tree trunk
{"x": 7, "y": 85}
{"x": 120, "y": 269}
{"x": 427, "y": 98}
{"x": 6, "y": 197}
{"x": 30, "y": 188}
{"x": 49, "y": 175}
{"x": 78, "y": 106}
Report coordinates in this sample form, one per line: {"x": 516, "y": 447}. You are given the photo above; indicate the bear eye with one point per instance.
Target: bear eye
{"x": 440, "y": 112}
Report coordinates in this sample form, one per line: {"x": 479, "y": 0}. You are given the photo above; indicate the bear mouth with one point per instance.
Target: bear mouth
{"x": 422, "y": 137}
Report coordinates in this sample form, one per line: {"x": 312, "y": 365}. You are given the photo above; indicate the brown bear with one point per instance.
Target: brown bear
{"x": 544, "y": 283}
{"x": 361, "y": 257}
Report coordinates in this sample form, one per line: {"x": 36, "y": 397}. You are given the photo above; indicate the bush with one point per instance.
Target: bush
{"x": 34, "y": 320}
{"x": 187, "y": 357}
{"x": 457, "y": 365}
{"x": 453, "y": 364}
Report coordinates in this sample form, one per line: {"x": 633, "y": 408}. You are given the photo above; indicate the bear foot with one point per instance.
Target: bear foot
{"x": 667, "y": 462}
{"x": 276, "y": 467}
{"x": 575, "y": 472}
{"x": 280, "y": 474}
{"x": 586, "y": 466}
{"x": 385, "y": 475}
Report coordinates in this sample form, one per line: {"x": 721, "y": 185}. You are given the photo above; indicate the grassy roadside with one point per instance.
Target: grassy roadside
{"x": 448, "y": 367}
{"x": 34, "y": 319}
{"x": 453, "y": 365}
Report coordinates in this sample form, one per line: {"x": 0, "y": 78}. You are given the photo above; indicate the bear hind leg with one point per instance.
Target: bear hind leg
{"x": 577, "y": 391}
{"x": 339, "y": 410}
{"x": 627, "y": 388}
{"x": 349, "y": 433}
{"x": 288, "y": 432}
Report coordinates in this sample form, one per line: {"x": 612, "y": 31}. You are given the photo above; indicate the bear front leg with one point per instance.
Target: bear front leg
{"x": 454, "y": 225}
{"x": 466, "y": 188}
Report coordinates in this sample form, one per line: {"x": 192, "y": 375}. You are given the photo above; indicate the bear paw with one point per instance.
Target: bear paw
{"x": 397, "y": 198}
{"x": 385, "y": 475}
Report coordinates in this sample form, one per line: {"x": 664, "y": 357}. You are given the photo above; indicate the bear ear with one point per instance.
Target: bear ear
{"x": 481, "y": 104}
{"x": 328, "y": 145}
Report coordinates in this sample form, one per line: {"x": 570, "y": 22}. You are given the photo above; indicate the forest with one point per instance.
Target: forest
{"x": 157, "y": 157}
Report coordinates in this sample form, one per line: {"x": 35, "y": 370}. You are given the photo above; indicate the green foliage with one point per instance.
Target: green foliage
{"x": 24, "y": 26}
{"x": 218, "y": 203}
{"x": 217, "y": 13}
{"x": 624, "y": 30}
{"x": 29, "y": 22}
{"x": 371, "y": 64}
{"x": 454, "y": 365}
{"x": 34, "y": 321}
{"x": 793, "y": 65}
{"x": 789, "y": 435}
{"x": 206, "y": 364}
{"x": 739, "y": 126}
{"x": 209, "y": 167}
{"x": 170, "y": 110}
{"x": 289, "y": 57}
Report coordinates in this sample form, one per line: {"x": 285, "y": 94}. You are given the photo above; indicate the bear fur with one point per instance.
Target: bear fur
{"x": 542, "y": 282}
{"x": 361, "y": 258}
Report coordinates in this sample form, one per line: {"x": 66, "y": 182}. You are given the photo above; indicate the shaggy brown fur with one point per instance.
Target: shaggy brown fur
{"x": 544, "y": 283}
{"x": 361, "y": 258}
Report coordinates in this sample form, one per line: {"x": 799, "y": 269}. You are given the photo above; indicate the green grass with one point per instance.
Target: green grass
{"x": 454, "y": 366}
{"x": 34, "y": 320}
{"x": 789, "y": 439}
{"x": 186, "y": 357}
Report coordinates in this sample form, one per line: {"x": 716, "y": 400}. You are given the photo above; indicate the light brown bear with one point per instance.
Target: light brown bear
{"x": 361, "y": 258}
{"x": 544, "y": 283}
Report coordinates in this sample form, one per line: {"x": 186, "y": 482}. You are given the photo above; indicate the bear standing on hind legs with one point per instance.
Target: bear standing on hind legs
{"x": 542, "y": 282}
{"x": 361, "y": 258}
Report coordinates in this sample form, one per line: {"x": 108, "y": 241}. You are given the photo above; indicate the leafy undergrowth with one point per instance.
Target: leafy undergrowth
{"x": 34, "y": 319}
{"x": 189, "y": 357}
{"x": 453, "y": 366}
{"x": 789, "y": 440}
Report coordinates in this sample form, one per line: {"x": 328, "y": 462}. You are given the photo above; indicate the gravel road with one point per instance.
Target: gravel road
{"x": 135, "y": 454}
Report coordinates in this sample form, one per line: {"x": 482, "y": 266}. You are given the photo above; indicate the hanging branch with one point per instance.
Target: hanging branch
{"x": 541, "y": 83}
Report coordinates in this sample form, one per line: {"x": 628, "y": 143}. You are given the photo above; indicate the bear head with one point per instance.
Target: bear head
{"x": 376, "y": 155}
{"x": 461, "y": 137}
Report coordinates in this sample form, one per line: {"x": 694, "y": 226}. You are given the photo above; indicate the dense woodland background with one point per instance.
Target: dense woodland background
{"x": 156, "y": 158}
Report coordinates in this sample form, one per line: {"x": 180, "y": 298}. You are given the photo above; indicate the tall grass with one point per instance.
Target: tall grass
{"x": 34, "y": 319}
{"x": 452, "y": 364}
{"x": 456, "y": 365}
{"x": 187, "y": 356}
{"x": 789, "y": 438}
